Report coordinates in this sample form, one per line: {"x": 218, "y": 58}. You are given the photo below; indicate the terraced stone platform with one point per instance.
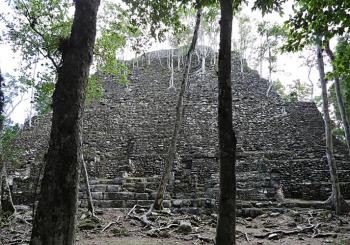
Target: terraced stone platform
{"x": 280, "y": 145}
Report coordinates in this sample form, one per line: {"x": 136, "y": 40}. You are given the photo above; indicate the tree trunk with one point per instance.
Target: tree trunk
{"x": 178, "y": 120}
{"x": 340, "y": 100}
{"x": 225, "y": 230}
{"x": 88, "y": 190}
{"x": 203, "y": 63}
{"x": 241, "y": 59}
{"x": 55, "y": 217}
{"x": 270, "y": 73}
{"x": 311, "y": 84}
{"x": 336, "y": 200}
{"x": 6, "y": 203}
{"x": 160, "y": 60}
{"x": 171, "y": 81}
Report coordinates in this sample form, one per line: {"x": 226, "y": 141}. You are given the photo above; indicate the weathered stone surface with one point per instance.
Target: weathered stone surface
{"x": 127, "y": 132}
{"x": 113, "y": 188}
{"x": 185, "y": 227}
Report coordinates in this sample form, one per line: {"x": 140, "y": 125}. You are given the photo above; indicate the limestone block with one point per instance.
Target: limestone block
{"x": 97, "y": 195}
{"x": 141, "y": 196}
{"x": 177, "y": 203}
{"x": 113, "y": 188}
{"x": 98, "y": 188}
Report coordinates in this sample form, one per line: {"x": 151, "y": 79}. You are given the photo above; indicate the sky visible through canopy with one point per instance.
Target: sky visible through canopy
{"x": 289, "y": 67}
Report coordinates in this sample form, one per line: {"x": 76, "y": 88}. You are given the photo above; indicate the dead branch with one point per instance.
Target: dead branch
{"x": 110, "y": 224}
{"x": 164, "y": 228}
{"x": 288, "y": 232}
{"x": 143, "y": 218}
{"x": 244, "y": 234}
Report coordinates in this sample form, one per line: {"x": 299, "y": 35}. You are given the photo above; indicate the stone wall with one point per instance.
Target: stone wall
{"x": 130, "y": 127}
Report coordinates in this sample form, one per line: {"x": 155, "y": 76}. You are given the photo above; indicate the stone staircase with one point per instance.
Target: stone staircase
{"x": 125, "y": 192}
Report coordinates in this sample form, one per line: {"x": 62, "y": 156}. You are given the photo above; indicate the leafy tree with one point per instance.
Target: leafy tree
{"x": 209, "y": 22}
{"x": 278, "y": 87}
{"x": 38, "y": 29}
{"x": 9, "y": 153}
{"x": 14, "y": 90}
{"x": 272, "y": 35}
{"x": 6, "y": 204}
{"x": 244, "y": 37}
{"x": 341, "y": 87}
{"x": 55, "y": 220}
{"x": 309, "y": 60}
{"x": 298, "y": 91}
{"x": 115, "y": 31}
{"x": 316, "y": 22}
{"x": 43, "y": 97}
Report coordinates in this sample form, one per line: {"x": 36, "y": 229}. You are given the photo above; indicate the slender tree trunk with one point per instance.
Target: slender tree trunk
{"x": 88, "y": 190}
{"x": 160, "y": 60}
{"x": 55, "y": 217}
{"x": 168, "y": 59}
{"x": 336, "y": 199}
{"x": 149, "y": 59}
{"x": 6, "y": 203}
{"x": 241, "y": 59}
{"x": 225, "y": 230}
{"x": 204, "y": 56}
{"x": 270, "y": 73}
{"x": 178, "y": 120}
{"x": 340, "y": 101}
{"x": 171, "y": 81}
{"x": 311, "y": 84}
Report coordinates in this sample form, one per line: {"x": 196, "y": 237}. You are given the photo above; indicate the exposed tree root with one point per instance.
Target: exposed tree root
{"x": 110, "y": 224}
{"x": 288, "y": 232}
{"x": 143, "y": 218}
{"x": 330, "y": 203}
{"x": 245, "y": 235}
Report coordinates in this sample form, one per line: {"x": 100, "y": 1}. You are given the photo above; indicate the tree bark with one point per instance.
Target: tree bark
{"x": 55, "y": 217}
{"x": 178, "y": 120}
{"x": 336, "y": 200}
{"x": 340, "y": 100}
{"x": 225, "y": 230}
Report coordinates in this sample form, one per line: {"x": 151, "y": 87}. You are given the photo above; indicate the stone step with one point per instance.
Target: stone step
{"x": 174, "y": 203}
{"x": 140, "y": 185}
{"x": 140, "y": 179}
{"x": 116, "y": 196}
{"x": 103, "y": 188}
{"x": 254, "y": 194}
{"x": 102, "y": 182}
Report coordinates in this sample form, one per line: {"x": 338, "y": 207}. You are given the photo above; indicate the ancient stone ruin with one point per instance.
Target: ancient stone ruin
{"x": 126, "y": 135}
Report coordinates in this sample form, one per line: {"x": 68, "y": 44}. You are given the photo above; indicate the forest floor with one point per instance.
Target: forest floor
{"x": 120, "y": 226}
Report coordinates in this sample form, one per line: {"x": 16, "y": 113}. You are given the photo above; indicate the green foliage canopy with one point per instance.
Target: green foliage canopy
{"x": 317, "y": 18}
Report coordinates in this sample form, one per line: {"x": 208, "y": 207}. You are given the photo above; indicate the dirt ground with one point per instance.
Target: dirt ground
{"x": 116, "y": 227}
